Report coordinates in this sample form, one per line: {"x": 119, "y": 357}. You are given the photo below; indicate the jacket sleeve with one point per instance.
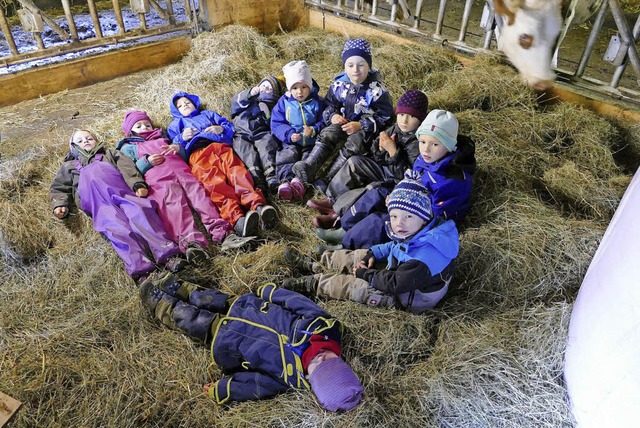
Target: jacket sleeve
{"x": 243, "y": 386}
{"x": 142, "y": 163}
{"x": 319, "y": 125}
{"x": 408, "y": 152}
{"x": 215, "y": 119}
{"x": 333, "y": 105}
{"x": 292, "y": 301}
{"x": 449, "y": 198}
{"x": 280, "y": 127}
{"x": 240, "y": 102}
{"x": 174, "y": 131}
{"x": 61, "y": 190}
{"x": 128, "y": 169}
{"x": 382, "y": 115}
{"x": 409, "y": 276}
{"x": 381, "y": 251}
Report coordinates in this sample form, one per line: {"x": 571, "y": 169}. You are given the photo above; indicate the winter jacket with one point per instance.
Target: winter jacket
{"x": 200, "y": 120}
{"x": 64, "y": 188}
{"x": 290, "y": 116}
{"x": 449, "y": 180}
{"x": 261, "y": 340}
{"x": 251, "y": 115}
{"x": 369, "y": 103}
{"x": 128, "y": 146}
{"x": 420, "y": 264}
{"x": 408, "y": 152}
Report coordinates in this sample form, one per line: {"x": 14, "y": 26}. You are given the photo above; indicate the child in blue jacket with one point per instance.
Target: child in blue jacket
{"x": 266, "y": 342}
{"x": 295, "y": 122}
{"x": 420, "y": 259}
{"x": 358, "y": 108}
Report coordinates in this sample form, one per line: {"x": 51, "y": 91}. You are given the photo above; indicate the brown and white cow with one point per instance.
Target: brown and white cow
{"x": 532, "y": 29}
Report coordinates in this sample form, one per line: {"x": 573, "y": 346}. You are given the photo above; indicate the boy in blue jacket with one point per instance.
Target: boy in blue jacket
{"x": 420, "y": 259}
{"x": 358, "y": 108}
{"x": 295, "y": 122}
{"x": 265, "y": 342}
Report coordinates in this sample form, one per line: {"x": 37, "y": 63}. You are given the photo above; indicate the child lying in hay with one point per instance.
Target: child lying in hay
{"x": 296, "y": 121}
{"x": 206, "y": 137}
{"x": 106, "y": 185}
{"x": 252, "y": 139}
{"x": 269, "y": 341}
{"x": 172, "y": 186}
{"x": 358, "y": 108}
{"x": 420, "y": 259}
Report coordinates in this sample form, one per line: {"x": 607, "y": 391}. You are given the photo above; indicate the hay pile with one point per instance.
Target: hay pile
{"x": 78, "y": 349}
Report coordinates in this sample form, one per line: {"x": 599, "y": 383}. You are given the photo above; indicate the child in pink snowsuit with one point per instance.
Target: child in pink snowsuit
{"x": 171, "y": 185}
{"x": 106, "y": 185}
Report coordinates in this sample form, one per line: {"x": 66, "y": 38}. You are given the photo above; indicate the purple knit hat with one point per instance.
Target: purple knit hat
{"x": 357, "y": 47}
{"x": 413, "y": 102}
{"x": 336, "y": 385}
{"x": 130, "y": 119}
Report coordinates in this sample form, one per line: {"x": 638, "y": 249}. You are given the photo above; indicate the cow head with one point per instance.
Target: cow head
{"x": 529, "y": 37}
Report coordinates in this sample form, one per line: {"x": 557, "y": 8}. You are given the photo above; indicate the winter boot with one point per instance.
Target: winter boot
{"x": 305, "y": 285}
{"x": 326, "y": 221}
{"x": 195, "y": 254}
{"x": 306, "y": 170}
{"x": 324, "y": 206}
{"x": 285, "y": 192}
{"x": 301, "y": 262}
{"x": 331, "y": 236}
{"x": 338, "y": 162}
{"x": 175, "y": 264}
{"x": 297, "y": 188}
{"x": 268, "y": 216}
{"x": 247, "y": 225}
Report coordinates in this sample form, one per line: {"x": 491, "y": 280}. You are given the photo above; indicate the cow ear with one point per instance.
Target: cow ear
{"x": 525, "y": 40}
{"x": 500, "y": 8}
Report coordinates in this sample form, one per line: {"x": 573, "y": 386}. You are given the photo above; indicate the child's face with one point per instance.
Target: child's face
{"x": 321, "y": 356}
{"x": 357, "y": 69}
{"x": 142, "y": 126}
{"x": 185, "y": 106}
{"x": 431, "y": 149}
{"x": 407, "y": 123}
{"x": 300, "y": 91}
{"x": 84, "y": 140}
{"x": 404, "y": 223}
{"x": 265, "y": 88}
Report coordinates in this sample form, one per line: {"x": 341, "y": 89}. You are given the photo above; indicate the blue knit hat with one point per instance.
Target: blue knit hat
{"x": 410, "y": 195}
{"x": 357, "y": 47}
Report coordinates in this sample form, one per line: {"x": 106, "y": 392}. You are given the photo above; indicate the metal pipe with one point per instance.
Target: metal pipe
{"x": 441, "y": 10}
{"x": 491, "y": 24}
{"x": 465, "y": 20}
{"x": 72, "y": 25}
{"x": 4, "y": 25}
{"x": 374, "y": 7}
{"x": 416, "y": 18}
{"x": 394, "y": 10}
{"x": 118, "y": 11}
{"x": 597, "y": 25}
{"x": 94, "y": 18}
{"x": 617, "y": 75}
{"x": 626, "y": 37}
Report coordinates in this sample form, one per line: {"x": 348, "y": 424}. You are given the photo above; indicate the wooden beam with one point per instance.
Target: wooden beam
{"x": 30, "y": 84}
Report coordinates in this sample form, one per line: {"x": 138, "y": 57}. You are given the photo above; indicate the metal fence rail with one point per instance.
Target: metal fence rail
{"x": 596, "y": 60}
{"x": 54, "y": 36}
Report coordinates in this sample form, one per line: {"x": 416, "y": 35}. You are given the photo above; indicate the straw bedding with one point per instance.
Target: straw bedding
{"x": 78, "y": 349}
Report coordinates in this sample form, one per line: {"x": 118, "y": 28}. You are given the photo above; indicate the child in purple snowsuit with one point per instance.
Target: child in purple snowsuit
{"x": 106, "y": 185}
{"x": 171, "y": 185}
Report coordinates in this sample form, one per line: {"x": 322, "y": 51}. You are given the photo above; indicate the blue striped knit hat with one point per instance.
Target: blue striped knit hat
{"x": 410, "y": 195}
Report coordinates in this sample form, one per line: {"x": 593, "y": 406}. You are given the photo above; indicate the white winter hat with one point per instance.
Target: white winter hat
{"x": 297, "y": 71}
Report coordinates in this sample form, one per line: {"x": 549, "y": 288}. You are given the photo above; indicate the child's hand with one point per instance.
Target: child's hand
{"x": 295, "y": 138}
{"x": 60, "y": 212}
{"x": 206, "y": 387}
{"x": 351, "y": 127}
{"x": 188, "y": 134}
{"x": 170, "y": 149}
{"x": 361, "y": 265}
{"x": 307, "y": 131}
{"x": 337, "y": 119}
{"x": 142, "y": 192}
{"x": 254, "y": 91}
{"x": 215, "y": 129}
{"x": 388, "y": 143}
{"x": 155, "y": 159}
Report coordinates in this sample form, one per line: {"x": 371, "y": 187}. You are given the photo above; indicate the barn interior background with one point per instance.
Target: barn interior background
{"x": 78, "y": 350}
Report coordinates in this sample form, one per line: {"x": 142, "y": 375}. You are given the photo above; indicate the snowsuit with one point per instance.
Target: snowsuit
{"x": 449, "y": 180}
{"x": 417, "y": 276}
{"x": 360, "y": 170}
{"x": 368, "y": 103}
{"x": 290, "y": 117}
{"x": 212, "y": 161}
{"x": 257, "y": 339}
{"x": 252, "y": 141}
{"x": 101, "y": 184}
{"x": 175, "y": 190}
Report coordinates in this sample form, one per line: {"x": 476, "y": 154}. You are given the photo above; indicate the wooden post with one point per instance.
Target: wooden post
{"x": 118, "y": 11}
{"x": 172, "y": 18}
{"x": 94, "y": 18}
{"x": 7, "y": 32}
{"x": 72, "y": 25}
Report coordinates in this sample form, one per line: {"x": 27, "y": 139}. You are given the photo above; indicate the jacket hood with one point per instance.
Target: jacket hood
{"x": 175, "y": 113}
{"x": 441, "y": 231}
{"x": 455, "y": 164}
{"x": 75, "y": 152}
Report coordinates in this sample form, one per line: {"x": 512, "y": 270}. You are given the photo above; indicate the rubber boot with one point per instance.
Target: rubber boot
{"x": 307, "y": 169}
{"x": 338, "y": 162}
